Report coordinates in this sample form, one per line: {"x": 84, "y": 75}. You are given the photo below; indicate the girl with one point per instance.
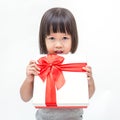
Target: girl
{"x": 58, "y": 34}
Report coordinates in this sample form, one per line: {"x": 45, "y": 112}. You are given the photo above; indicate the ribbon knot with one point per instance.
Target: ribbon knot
{"x": 50, "y": 65}
{"x": 51, "y": 68}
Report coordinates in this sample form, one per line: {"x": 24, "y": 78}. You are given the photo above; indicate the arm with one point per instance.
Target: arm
{"x": 91, "y": 84}
{"x": 26, "y": 90}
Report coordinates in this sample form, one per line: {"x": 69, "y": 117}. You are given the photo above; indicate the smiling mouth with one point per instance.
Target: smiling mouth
{"x": 59, "y": 52}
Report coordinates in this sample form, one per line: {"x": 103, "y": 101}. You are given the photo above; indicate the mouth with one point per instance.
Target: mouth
{"x": 59, "y": 52}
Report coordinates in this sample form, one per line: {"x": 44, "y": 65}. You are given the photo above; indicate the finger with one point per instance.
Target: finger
{"x": 37, "y": 67}
{"x": 32, "y": 71}
{"x": 88, "y": 74}
{"x": 32, "y": 62}
{"x": 34, "y": 65}
{"x": 87, "y": 69}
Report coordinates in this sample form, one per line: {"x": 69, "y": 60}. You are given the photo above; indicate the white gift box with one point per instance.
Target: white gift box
{"x": 74, "y": 92}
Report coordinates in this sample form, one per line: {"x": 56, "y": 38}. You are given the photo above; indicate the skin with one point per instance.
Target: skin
{"x": 59, "y": 43}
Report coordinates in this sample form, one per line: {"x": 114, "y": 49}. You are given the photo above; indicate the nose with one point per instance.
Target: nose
{"x": 58, "y": 45}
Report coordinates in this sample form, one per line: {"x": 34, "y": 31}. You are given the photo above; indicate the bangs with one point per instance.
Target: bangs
{"x": 58, "y": 24}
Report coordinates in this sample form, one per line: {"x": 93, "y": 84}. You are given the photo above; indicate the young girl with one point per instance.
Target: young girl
{"x": 57, "y": 35}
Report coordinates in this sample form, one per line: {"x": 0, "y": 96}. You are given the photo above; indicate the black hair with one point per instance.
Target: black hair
{"x": 58, "y": 20}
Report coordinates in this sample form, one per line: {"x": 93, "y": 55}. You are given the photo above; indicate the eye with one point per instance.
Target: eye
{"x": 51, "y": 38}
{"x": 65, "y": 38}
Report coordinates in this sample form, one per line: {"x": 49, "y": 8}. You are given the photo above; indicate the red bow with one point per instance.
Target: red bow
{"x": 51, "y": 68}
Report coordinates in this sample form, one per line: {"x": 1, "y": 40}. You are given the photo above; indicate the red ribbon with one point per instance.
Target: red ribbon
{"x": 51, "y": 68}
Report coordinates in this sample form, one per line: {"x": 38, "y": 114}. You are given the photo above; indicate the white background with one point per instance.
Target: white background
{"x": 99, "y": 34}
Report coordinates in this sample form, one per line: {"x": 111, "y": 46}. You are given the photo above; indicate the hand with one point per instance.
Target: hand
{"x": 88, "y": 70}
{"x": 32, "y": 69}
{"x": 91, "y": 85}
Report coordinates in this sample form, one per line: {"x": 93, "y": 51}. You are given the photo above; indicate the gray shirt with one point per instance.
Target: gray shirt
{"x": 59, "y": 114}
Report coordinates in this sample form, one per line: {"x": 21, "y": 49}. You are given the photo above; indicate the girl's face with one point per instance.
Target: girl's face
{"x": 59, "y": 43}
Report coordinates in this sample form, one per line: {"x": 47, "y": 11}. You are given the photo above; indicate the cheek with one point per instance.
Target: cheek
{"x": 49, "y": 46}
{"x": 69, "y": 45}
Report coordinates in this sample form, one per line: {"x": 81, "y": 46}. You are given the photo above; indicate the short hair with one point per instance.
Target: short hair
{"x": 59, "y": 20}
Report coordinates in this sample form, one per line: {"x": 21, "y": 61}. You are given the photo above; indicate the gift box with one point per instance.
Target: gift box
{"x": 61, "y": 83}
